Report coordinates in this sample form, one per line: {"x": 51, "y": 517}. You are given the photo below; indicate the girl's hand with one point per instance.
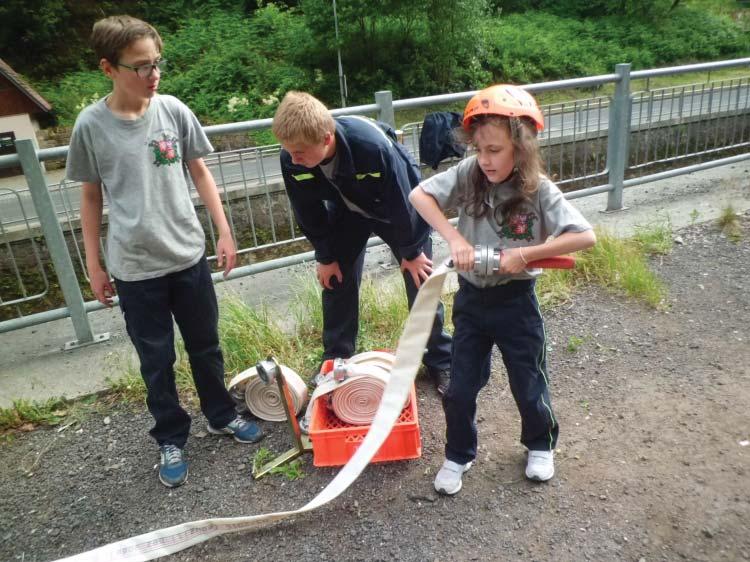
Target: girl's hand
{"x": 462, "y": 254}
{"x": 511, "y": 261}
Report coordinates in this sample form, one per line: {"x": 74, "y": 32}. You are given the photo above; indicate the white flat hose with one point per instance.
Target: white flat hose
{"x": 409, "y": 353}
{"x": 263, "y": 400}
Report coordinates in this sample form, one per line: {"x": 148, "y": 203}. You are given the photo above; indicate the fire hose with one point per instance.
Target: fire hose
{"x": 352, "y": 389}
{"x": 408, "y": 358}
{"x": 264, "y": 400}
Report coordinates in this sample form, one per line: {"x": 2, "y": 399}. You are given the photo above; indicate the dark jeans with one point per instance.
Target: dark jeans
{"x": 341, "y": 304}
{"x": 148, "y": 307}
{"x": 507, "y": 316}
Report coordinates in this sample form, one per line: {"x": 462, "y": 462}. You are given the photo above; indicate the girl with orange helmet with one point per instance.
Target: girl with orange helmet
{"x": 503, "y": 200}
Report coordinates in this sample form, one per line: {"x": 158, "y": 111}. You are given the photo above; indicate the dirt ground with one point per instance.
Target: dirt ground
{"x": 653, "y": 460}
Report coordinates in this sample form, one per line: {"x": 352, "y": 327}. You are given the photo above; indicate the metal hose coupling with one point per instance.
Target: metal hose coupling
{"x": 487, "y": 261}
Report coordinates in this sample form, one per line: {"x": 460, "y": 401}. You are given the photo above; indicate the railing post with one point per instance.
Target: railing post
{"x": 618, "y": 136}
{"x": 384, "y": 99}
{"x": 56, "y": 245}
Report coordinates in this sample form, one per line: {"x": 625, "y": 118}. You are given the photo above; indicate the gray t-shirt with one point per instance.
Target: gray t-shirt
{"x": 549, "y": 214}
{"x": 141, "y": 164}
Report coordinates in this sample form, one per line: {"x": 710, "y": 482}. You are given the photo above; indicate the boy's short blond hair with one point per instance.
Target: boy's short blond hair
{"x": 110, "y": 36}
{"x": 302, "y": 118}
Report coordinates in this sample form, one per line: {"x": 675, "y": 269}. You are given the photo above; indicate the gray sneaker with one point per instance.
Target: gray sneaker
{"x": 448, "y": 479}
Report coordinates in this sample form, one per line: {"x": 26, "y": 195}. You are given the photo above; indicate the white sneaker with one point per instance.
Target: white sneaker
{"x": 448, "y": 479}
{"x": 540, "y": 466}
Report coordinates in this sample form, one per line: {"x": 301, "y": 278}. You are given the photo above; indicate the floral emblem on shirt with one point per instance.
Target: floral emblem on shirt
{"x": 519, "y": 227}
{"x": 165, "y": 151}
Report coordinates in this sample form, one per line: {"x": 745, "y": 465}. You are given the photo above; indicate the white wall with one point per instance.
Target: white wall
{"x": 21, "y": 125}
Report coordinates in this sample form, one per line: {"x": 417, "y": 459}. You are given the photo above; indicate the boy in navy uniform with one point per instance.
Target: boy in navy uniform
{"x": 348, "y": 178}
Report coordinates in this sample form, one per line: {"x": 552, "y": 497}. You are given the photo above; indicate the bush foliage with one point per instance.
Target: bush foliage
{"x": 234, "y": 61}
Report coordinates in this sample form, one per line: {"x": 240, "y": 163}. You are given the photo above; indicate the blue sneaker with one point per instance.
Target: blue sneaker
{"x": 243, "y": 431}
{"x": 173, "y": 468}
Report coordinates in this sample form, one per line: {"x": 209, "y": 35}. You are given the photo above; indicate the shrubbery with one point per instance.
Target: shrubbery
{"x": 233, "y": 65}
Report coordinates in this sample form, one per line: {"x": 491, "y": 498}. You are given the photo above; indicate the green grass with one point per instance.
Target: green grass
{"x": 26, "y": 415}
{"x": 654, "y": 239}
{"x": 730, "y": 224}
{"x": 24, "y": 412}
{"x": 291, "y": 470}
{"x": 575, "y": 343}
{"x": 621, "y": 266}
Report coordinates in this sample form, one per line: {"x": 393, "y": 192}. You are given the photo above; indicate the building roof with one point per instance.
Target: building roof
{"x": 24, "y": 87}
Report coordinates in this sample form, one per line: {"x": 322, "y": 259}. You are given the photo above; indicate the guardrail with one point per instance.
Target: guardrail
{"x": 591, "y": 145}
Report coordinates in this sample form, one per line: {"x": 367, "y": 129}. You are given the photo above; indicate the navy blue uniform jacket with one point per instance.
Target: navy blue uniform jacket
{"x": 374, "y": 172}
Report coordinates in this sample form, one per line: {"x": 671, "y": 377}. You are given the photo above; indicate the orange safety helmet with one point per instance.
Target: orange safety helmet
{"x": 503, "y": 99}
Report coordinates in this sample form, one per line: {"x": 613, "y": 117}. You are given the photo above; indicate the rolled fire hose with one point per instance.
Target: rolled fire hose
{"x": 411, "y": 345}
{"x": 264, "y": 400}
{"x": 355, "y": 396}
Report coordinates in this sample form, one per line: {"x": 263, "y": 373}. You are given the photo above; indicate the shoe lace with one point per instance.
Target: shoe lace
{"x": 172, "y": 454}
{"x": 238, "y": 424}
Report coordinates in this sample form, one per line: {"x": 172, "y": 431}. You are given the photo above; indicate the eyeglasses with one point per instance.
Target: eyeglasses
{"x": 145, "y": 70}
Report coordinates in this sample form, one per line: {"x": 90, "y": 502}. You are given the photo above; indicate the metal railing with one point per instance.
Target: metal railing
{"x": 591, "y": 145}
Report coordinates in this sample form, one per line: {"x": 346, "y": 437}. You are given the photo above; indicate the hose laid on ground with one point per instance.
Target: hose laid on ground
{"x": 409, "y": 353}
{"x": 264, "y": 400}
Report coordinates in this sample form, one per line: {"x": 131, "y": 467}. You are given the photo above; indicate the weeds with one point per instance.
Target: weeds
{"x": 291, "y": 470}
{"x": 655, "y": 239}
{"x": 586, "y": 406}
{"x": 261, "y": 457}
{"x": 575, "y": 343}
{"x": 25, "y": 415}
{"x": 28, "y": 415}
{"x": 621, "y": 265}
{"x": 730, "y": 224}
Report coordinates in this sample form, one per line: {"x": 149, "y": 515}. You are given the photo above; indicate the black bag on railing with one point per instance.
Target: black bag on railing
{"x": 436, "y": 142}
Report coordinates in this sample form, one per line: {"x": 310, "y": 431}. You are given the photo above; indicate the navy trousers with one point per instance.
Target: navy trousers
{"x": 148, "y": 306}
{"x": 341, "y": 304}
{"x": 507, "y": 316}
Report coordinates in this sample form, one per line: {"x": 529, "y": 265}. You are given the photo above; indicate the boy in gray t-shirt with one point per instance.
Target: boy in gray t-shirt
{"x": 137, "y": 148}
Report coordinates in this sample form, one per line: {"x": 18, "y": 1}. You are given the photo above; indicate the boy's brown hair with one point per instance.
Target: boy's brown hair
{"x": 302, "y": 118}
{"x": 110, "y": 36}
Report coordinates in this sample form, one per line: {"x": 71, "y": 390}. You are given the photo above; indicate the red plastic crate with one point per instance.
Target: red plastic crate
{"x": 334, "y": 442}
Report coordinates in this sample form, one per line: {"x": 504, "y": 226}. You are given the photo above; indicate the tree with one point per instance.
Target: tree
{"x": 408, "y": 46}
{"x": 55, "y": 31}
{"x": 589, "y": 8}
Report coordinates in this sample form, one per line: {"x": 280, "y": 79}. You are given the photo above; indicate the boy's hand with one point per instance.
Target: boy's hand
{"x": 420, "y": 268}
{"x": 102, "y": 288}
{"x": 226, "y": 253}
{"x": 328, "y": 270}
